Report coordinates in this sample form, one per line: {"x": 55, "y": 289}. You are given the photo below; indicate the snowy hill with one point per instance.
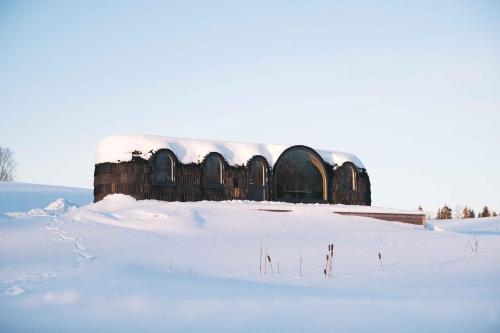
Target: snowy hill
{"x": 16, "y": 196}
{"x": 125, "y": 265}
{"x": 476, "y": 226}
{"x": 58, "y": 207}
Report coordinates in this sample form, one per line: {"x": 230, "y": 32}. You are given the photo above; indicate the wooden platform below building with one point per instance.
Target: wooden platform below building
{"x": 398, "y": 216}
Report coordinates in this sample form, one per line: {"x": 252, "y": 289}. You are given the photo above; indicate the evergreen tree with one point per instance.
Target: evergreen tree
{"x": 438, "y": 214}
{"x": 447, "y": 212}
{"x": 494, "y": 213}
{"x": 485, "y": 212}
{"x": 466, "y": 213}
{"x": 472, "y": 214}
{"x": 444, "y": 213}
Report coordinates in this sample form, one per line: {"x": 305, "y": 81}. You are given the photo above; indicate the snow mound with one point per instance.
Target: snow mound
{"x": 55, "y": 208}
{"x": 121, "y": 265}
{"x": 60, "y": 206}
{"x": 476, "y": 226}
{"x": 194, "y": 217}
{"x": 14, "y": 291}
{"x": 119, "y": 148}
{"x": 21, "y": 197}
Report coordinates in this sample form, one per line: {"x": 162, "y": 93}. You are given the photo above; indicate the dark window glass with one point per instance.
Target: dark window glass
{"x": 300, "y": 176}
{"x": 163, "y": 168}
{"x": 213, "y": 171}
{"x": 257, "y": 180}
{"x": 257, "y": 173}
{"x": 347, "y": 178}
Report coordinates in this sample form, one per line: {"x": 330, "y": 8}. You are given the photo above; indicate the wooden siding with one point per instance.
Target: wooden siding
{"x": 399, "y": 217}
{"x": 360, "y": 196}
{"x": 135, "y": 178}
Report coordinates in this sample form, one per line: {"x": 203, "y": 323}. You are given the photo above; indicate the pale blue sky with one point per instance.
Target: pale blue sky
{"x": 412, "y": 88}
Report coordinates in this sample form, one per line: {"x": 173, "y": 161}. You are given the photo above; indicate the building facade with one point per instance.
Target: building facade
{"x": 170, "y": 169}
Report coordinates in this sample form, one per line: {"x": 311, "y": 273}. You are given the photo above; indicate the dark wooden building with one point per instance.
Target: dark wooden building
{"x": 170, "y": 169}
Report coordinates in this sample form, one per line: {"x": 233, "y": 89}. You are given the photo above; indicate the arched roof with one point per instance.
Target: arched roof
{"x": 214, "y": 154}
{"x": 119, "y": 148}
{"x": 305, "y": 148}
{"x": 168, "y": 151}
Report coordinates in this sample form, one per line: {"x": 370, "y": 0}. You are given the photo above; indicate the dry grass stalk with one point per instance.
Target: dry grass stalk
{"x": 270, "y": 264}
{"x": 473, "y": 248}
{"x": 265, "y": 262}
{"x": 260, "y": 260}
{"x": 300, "y": 265}
{"x": 380, "y": 259}
{"x": 328, "y": 270}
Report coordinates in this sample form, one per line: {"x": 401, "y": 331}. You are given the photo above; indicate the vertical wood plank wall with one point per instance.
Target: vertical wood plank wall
{"x": 135, "y": 178}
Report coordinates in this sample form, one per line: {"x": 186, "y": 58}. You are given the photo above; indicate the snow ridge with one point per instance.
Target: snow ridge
{"x": 55, "y": 208}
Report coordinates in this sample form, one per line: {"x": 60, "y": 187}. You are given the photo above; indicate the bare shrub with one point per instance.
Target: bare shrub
{"x": 7, "y": 165}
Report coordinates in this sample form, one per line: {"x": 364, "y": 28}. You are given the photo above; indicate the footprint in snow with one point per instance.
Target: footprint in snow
{"x": 83, "y": 253}
{"x": 14, "y": 291}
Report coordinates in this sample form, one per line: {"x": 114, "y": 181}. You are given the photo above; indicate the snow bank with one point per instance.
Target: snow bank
{"x": 476, "y": 226}
{"x": 122, "y": 265}
{"x": 119, "y": 148}
{"x": 55, "y": 208}
{"x": 15, "y": 196}
{"x": 150, "y": 215}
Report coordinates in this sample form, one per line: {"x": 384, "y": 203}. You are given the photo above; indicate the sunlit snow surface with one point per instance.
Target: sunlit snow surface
{"x": 22, "y": 197}
{"x": 126, "y": 266}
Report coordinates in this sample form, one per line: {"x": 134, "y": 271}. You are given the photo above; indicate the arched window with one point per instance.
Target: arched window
{"x": 257, "y": 179}
{"x": 348, "y": 177}
{"x": 163, "y": 168}
{"x": 212, "y": 171}
{"x": 257, "y": 173}
{"x": 300, "y": 176}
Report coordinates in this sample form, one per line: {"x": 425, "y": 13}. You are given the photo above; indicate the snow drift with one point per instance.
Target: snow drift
{"x": 126, "y": 265}
{"x": 22, "y": 197}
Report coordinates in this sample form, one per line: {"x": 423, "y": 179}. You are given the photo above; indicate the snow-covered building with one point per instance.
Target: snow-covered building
{"x": 172, "y": 169}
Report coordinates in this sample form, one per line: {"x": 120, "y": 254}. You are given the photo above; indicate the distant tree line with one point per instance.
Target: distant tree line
{"x": 446, "y": 212}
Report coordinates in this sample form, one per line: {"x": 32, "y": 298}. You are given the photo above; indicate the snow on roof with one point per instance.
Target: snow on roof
{"x": 119, "y": 148}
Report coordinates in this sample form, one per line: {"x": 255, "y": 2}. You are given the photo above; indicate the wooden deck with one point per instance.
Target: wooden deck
{"x": 399, "y": 217}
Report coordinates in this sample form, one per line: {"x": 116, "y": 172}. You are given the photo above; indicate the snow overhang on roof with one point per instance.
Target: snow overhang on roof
{"x": 119, "y": 148}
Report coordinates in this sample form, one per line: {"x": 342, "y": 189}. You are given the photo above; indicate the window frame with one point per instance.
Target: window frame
{"x": 253, "y": 188}
{"x": 265, "y": 170}
{"x": 348, "y": 167}
{"x": 320, "y": 165}
{"x": 172, "y": 171}
{"x": 222, "y": 165}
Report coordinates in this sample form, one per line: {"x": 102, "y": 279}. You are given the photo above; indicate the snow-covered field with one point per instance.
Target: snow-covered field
{"x": 16, "y": 196}
{"x": 125, "y": 266}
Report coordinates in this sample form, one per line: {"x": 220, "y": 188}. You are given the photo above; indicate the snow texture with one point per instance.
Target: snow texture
{"x": 119, "y": 148}
{"x": 122, "y": 265}
{"x": 58, "y": 207}
{"x": 16, "y": 196}
{"x": 478, "y": 226}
